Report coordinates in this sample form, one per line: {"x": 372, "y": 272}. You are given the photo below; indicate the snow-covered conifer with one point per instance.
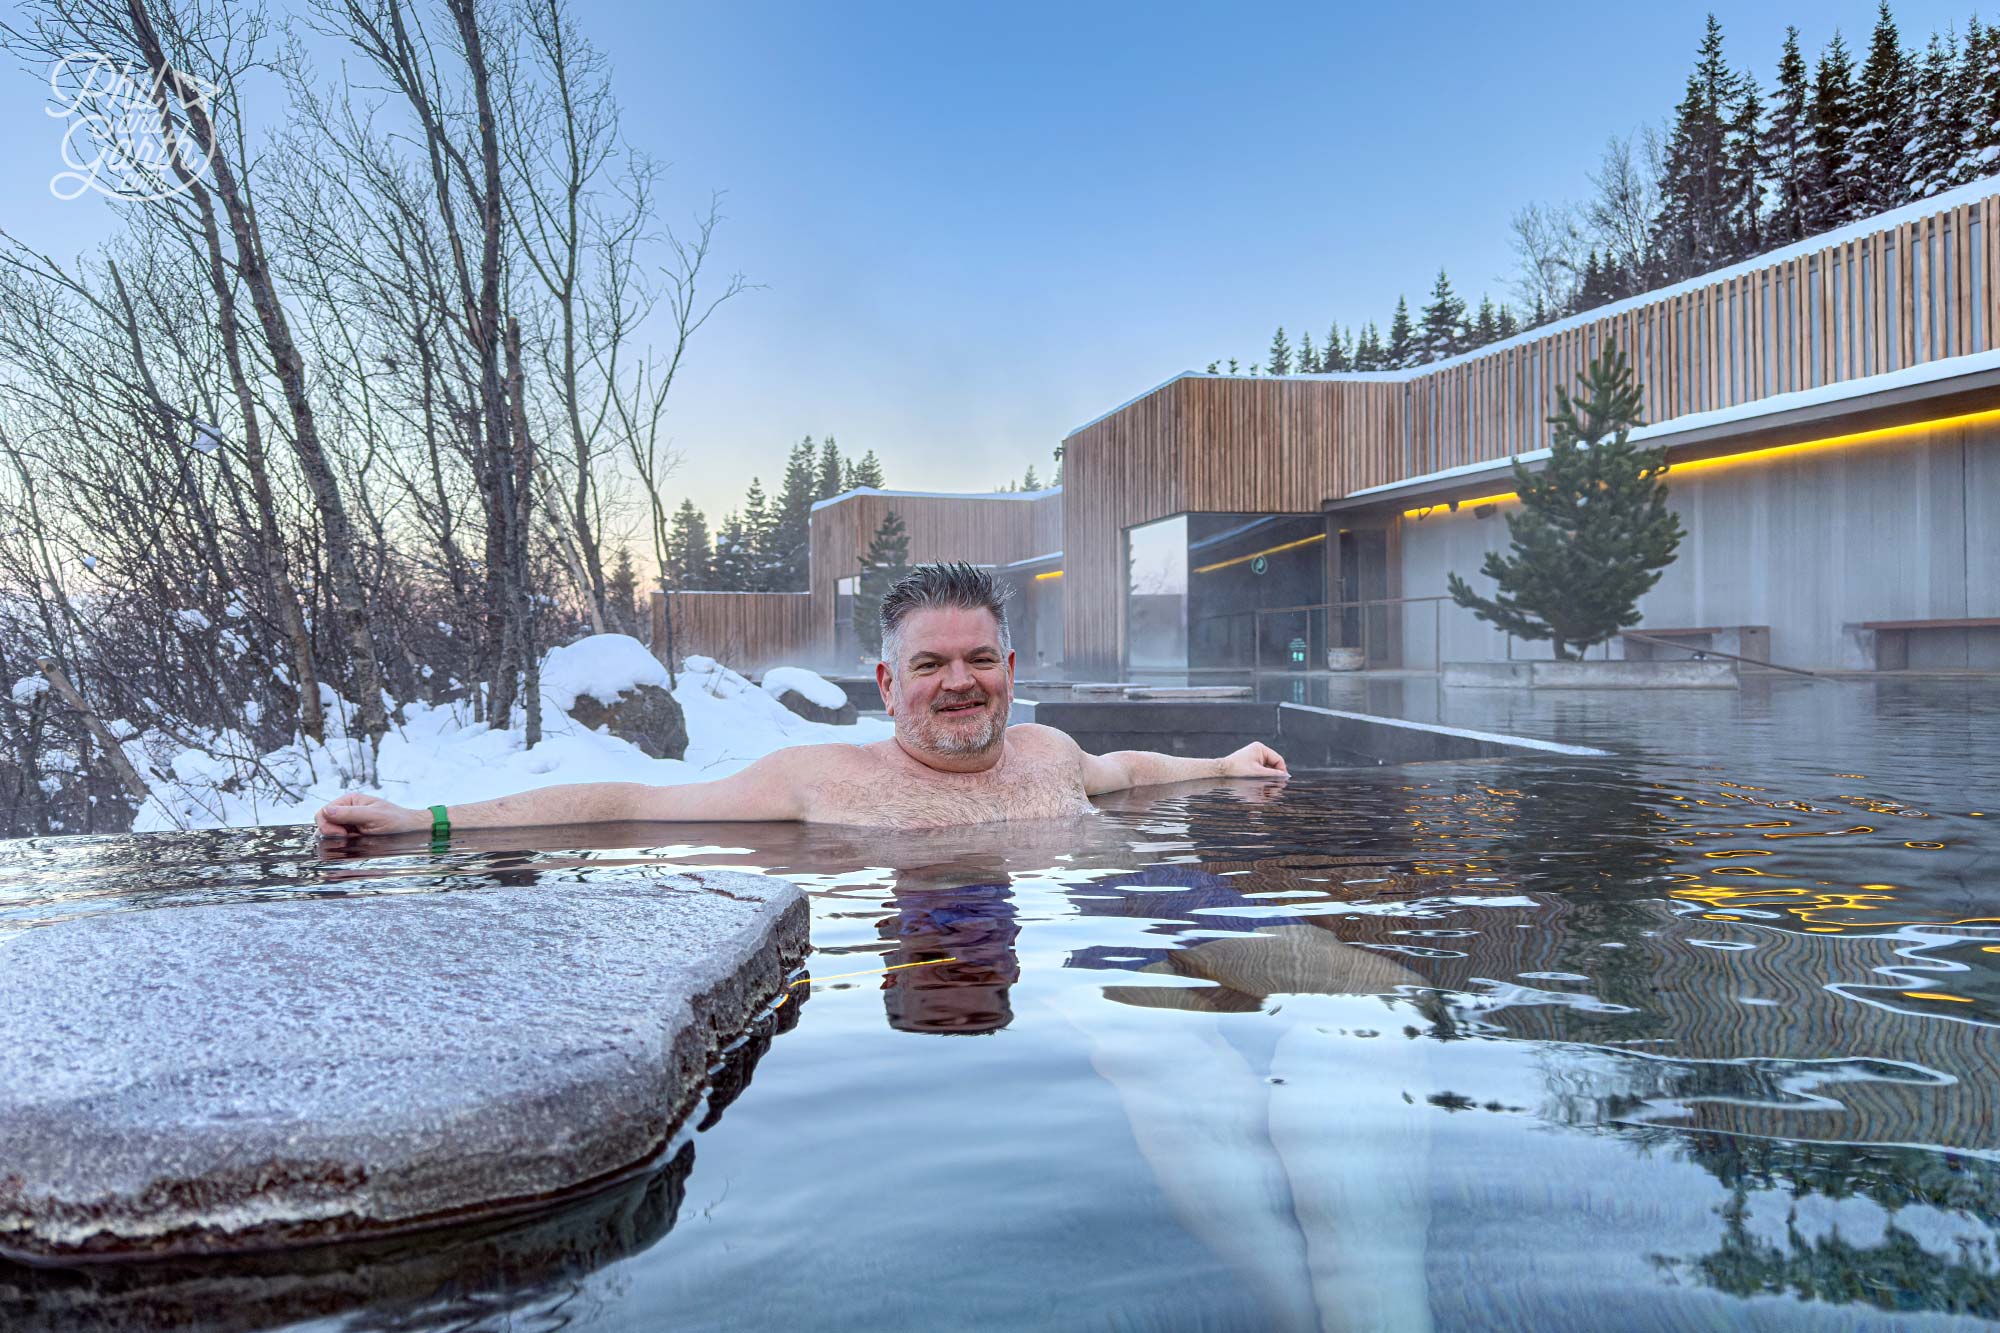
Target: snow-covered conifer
{"x": 1788, "y": 147}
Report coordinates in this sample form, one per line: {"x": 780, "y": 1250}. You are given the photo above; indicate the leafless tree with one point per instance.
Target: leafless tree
{"x": 357, "y": 400}
{"x": 1553, "y": 242}
{"x": 1549, "y": 247}
{"x": 1619, "y": 217}
{"x": 639, "y": 391}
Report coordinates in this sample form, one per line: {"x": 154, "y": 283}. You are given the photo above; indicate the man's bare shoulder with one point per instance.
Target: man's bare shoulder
{"x": 825, "y": 758}
{"x": 1041, "y": 737}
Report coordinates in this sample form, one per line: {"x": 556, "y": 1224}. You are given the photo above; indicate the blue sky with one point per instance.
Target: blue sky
{"x": 978, "y": 226}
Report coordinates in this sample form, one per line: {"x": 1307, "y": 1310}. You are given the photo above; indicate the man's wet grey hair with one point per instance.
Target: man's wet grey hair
{"x": 958, "y": 585}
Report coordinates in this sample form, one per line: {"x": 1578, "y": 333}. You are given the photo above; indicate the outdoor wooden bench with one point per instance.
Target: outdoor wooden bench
{"x": 1892, "y": 637}
{"x": 1751, "y": 641}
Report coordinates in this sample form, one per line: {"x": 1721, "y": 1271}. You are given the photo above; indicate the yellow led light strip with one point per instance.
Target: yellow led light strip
{"x": 1269, "y": 550}
{"x": 1473, "y": 503}
{"x": 1775, "y": 451}
{"x": 1052, "y": 574}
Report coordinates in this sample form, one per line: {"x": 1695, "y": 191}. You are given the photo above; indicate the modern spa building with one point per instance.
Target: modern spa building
{"x": 1831, "y": 412}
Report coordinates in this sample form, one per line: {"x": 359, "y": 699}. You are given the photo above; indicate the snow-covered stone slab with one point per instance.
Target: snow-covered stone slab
{"x": 241, "y": 1076}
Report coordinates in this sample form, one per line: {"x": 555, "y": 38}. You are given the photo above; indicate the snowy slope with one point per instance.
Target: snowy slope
{"x": 439, "y": 756}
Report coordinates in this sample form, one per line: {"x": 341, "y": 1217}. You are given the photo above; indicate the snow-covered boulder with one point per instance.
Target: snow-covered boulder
{"x": 610, "y": 681}
{"x": 810, "y": 695}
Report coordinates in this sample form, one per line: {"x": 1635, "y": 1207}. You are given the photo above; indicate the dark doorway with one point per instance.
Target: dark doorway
{"x": 1364, "y": 578}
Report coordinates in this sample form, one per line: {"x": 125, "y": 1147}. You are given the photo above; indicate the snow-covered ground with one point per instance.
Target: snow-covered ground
{"x": 439, "y": 756}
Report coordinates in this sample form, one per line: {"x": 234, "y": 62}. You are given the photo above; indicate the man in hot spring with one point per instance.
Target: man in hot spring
{"x": 947, "y": 680}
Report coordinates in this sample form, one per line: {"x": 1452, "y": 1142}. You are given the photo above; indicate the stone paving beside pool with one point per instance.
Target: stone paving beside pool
{"x": 248, "y": 1074}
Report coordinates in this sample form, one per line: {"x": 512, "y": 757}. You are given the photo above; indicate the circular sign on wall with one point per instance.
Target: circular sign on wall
{"x": 1259, "y": 565}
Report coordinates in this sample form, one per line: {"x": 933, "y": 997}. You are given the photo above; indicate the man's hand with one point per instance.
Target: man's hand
{"x": 356, "y": 815}
{"x": 1255, "y": 760}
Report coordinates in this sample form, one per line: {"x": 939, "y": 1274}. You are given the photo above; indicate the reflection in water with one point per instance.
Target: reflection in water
{"x": 526, "y": 1277}
{"x": 1473, "y": 1045}
{"x": 1898, "y": 1271}
{"x": 965, "y": 934}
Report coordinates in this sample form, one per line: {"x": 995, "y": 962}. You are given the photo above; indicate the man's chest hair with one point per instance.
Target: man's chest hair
{"x": 1031, "y": 785}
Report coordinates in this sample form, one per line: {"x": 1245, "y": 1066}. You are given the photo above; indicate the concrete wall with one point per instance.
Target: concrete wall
{"x": 1807, "y": 543}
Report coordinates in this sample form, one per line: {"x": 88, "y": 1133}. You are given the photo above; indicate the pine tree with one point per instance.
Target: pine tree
{"x": 1509, "y": 325}
{"x": 1486, "y": 324}
{"x": 1368, "y": 349}
{"x": 1979, "y": 88}
{"x": 1308, "y": 358}
{"x": 758, "y": 532}
{"x": 1212, "y": 368}
{"x": 1833, "y": 192}
{"x": 1745, "y": 171}
{"x": 621, "y": 594}
{"x": 1788, "y": 152}
{"x": 1597, "y": 286}
{"x": 1335, "y": 357}
{"x": 1280, "y": 362}
{"x": 1593, "y": 531}
{"x": 1943, "y": 120}
{"x": 1232, "y": 365}
{"x": 1884, "y": 111}
{"x": 734, "y": 567}
{"x": 1692, "y": 234}
{"x": 791, "y": 519}
{"x": 887, "y": 559}
{"x": 690, "y": 562}
{"x": 867, "y": 472}
{"x": 1401, "y": 351}
{"x": 1031, "y": 482}
{"x": 1442, "y": 332}
{"x": 832, "y": 474}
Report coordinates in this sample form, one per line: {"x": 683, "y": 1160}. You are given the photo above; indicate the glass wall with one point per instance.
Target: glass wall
{"x": 1156, "y": 595}
{"x": 846, "y": 644}
{"x": 1196, "y": 583}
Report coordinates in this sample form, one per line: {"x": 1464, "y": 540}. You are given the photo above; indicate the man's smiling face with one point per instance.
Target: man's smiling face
{"x": 951, "y": 685}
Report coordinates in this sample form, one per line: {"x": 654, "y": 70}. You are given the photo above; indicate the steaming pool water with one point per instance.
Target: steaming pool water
{"x": 1701, "y": 1034}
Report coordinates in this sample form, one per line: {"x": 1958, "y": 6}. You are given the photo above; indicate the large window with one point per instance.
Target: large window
{"x": 846, "y": 644}
{"x": 1195, "y": 585}
{"x": 1156, "y": 595}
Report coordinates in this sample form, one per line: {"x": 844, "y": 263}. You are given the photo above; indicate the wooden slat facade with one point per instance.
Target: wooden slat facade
{"x": 744, "y": 630}
{"x": 1918, "y": 291}
{"x": 752, "y": 630}
{"x": 984, "y": 530}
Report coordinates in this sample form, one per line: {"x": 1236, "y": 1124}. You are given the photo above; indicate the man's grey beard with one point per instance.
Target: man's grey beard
{"x": 926, "y": 735}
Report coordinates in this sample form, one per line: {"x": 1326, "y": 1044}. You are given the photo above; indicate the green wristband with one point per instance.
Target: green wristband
{"x": 440, "y": 824}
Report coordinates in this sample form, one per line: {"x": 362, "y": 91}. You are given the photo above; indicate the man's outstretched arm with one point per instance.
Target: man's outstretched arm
{"x": 1144, "y": 768}
{"x": 768, "y": 789}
